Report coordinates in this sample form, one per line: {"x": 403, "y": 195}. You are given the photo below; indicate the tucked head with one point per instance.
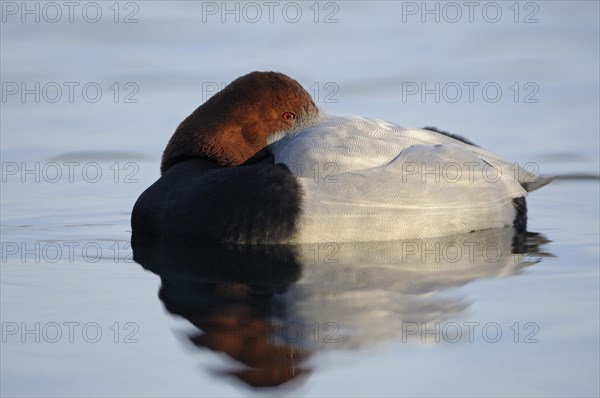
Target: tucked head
{"x": 233, "y": 125}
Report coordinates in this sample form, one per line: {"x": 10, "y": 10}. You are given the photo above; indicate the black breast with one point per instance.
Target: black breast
{"x": 198, "y": 200}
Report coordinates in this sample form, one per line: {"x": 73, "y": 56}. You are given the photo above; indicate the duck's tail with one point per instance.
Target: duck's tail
{"x": 537, "y": 183}
{"x": 534, "y": 184}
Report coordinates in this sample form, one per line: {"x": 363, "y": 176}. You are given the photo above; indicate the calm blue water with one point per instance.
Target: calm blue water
{"x": 88, "y": 106}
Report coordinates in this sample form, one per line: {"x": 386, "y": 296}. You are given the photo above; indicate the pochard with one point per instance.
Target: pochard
{"x": 259, "y": 163}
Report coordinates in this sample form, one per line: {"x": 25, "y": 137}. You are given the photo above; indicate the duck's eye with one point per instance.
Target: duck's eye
{"x": 288, "y": 116}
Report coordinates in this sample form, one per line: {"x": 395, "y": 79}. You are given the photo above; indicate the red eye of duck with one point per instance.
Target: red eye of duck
{"x": 288, "y": 116}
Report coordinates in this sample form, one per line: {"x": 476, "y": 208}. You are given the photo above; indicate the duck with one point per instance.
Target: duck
{"x": 260, "y": 163}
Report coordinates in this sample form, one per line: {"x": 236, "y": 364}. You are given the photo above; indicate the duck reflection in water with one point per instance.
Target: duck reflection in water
{"x": 271, "y": 307}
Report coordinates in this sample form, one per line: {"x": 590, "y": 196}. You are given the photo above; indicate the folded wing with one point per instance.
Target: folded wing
{"x": 371, "y": 180}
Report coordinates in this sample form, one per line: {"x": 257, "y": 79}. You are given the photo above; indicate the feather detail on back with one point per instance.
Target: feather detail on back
{"x": 367, "y": 180}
